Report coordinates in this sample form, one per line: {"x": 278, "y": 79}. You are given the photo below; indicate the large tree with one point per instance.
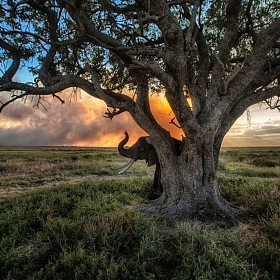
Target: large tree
{"x": 211, "y": 59}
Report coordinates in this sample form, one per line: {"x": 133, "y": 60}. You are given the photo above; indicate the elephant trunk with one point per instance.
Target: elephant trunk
{"x": 124, "y": 152}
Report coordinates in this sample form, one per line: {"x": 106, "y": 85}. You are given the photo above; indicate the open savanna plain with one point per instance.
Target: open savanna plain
{"x": 66, "y": 214}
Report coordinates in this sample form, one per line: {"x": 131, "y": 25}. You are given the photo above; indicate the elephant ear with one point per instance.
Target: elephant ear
{"x": 152, "y": 157}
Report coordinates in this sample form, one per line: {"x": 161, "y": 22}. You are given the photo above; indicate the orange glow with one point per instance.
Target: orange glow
{"x": 164, "y": 114}
{"x": 80, "y": 122}
{"x": 111, "y": 131}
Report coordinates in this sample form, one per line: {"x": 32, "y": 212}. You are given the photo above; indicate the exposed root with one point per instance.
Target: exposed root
{"x": 227, "y": 204}
{"x": 186, "y": 210}
{"x": 150, "y": 208}
{"x": 172, "y": 211}
{"x": 225, "y": 210}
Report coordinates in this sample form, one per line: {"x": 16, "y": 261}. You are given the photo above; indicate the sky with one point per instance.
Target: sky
{"x": 80, "y": 122}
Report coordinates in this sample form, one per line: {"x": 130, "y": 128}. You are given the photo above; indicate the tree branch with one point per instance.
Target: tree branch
{"x": 232, "y": 24}
{"x": 255, "y": 61}
{"x": 190, "y": 36}
{"x": 15, "y": 56}
{"x": 273, "y": 104}
{"x": 111, "y": 114}
{"x": 173, "y": 122}
{"x": 155, "y": 70}
{"x": 180, "y": 2}
{"x": 87, "y": 28}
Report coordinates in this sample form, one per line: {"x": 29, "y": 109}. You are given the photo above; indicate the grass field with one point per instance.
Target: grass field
{"x": 66, "y": 214}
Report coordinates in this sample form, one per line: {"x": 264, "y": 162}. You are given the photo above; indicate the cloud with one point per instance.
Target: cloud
{"x": 264, "y": 129}
{"x": 80, "y": 122}
{"x": 77, "y": 122}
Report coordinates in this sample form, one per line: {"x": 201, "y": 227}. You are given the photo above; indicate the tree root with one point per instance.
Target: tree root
{"x": 184, "y": 210}
{"x": 152, "y": 207}
{"x": 172, "y": 211}
{"x": 225, "y": 210}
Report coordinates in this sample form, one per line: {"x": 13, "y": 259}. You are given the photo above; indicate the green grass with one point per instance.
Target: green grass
{"x": 65, "y": 214}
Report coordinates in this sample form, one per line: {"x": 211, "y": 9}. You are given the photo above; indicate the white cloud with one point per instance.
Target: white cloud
{"x": 263, "y": 129}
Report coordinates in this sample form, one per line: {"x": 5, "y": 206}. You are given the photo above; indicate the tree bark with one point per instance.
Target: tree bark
{"x": 189, "y": 183}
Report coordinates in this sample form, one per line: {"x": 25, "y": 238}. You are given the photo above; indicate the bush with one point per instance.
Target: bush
{"x": 264, "y": 162}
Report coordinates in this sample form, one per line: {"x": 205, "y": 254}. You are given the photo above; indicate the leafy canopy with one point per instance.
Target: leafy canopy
{"x": 103, "y": 41}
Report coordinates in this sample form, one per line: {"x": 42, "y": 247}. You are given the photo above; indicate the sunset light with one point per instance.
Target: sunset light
{"x": 80, "y": 122}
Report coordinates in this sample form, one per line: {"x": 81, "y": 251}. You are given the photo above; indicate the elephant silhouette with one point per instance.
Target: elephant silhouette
{"x": 142, "y": 149}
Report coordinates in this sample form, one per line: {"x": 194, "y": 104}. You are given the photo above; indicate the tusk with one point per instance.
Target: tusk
{"x": 127, "y": 166}
{"x": 120, "y": 167}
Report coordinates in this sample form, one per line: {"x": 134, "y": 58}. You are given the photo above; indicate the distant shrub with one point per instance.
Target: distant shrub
{"x": 254, "y": 171}
{"x": 242, "y": 158}
{"x": 87, "y": 156}
{"x": 74, "y": 157}
{"x": 264, "y": 162}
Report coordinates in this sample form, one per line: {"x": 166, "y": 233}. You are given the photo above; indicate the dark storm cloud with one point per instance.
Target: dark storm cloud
{"x": 80, "y": 123}
{"x": 23, "y": 137}
{"x": 20, "y": 109}
{"x": 18, "y": 115}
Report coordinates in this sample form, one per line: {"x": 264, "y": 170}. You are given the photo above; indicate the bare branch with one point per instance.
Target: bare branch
{"x": 4, "y": 104}
{"x": 44, "y": 73}
{"x": 249, "y": 23}
{"x": 23, "y": 95}
{"x": 273, "y": 104}
{"x": 240, "y": 105}
{"x": 111, "y": 114}
{"x": 40, "y": 103}
{"x": 59, "y": 98}
{"x": 232, "y": 24}
{"x": 173, "y": 122}
{"x": 180, "y": 2}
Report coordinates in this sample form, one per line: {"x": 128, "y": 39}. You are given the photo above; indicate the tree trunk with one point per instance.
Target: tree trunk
{"x": 189, "y": 184}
